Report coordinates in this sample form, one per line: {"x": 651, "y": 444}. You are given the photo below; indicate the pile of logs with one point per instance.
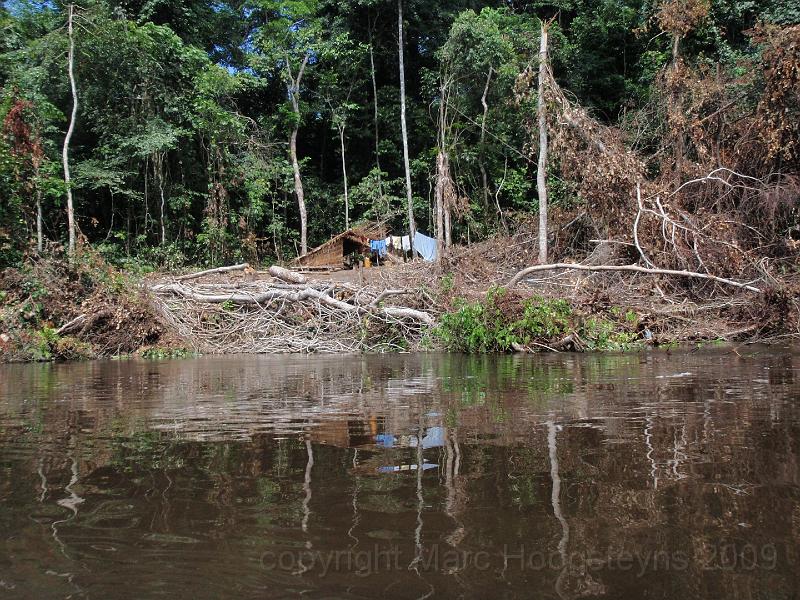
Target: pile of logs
{"x": 289, "y": 313}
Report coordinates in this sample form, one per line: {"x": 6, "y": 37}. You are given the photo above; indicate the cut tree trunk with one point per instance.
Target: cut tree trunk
{"x": 199, "y": 274}
{"x": 287, "y": 275}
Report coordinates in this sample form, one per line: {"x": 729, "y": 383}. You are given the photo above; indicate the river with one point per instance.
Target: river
{"x": 651, "y": 475}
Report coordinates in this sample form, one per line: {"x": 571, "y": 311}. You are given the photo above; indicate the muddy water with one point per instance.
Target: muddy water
{"x": 659, "y": 475}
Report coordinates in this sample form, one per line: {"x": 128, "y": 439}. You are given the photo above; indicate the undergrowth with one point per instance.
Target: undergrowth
{"x": 43, "y": 294}
{"x": 503, "y": 322}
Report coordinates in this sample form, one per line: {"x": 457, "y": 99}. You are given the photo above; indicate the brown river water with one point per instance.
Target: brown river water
{"x": 653, "y": 475}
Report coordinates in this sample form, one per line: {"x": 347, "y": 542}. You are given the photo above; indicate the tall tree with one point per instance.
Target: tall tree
{"x": 412, "y": 226}
{"x": 73, "y": 117}
{"x": 290, "y": 39}
{"x": 541, "y": 172}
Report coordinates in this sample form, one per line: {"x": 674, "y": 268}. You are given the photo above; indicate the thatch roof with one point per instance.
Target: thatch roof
{"x": 359, "y": 235}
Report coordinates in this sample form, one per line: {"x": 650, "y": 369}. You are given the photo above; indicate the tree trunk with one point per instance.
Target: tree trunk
{"x": 629, "y": 268}
{"x": 39, "y": 234}
{"x": 344, "y": 176}
{"x": 298, "y": 190}
{"x": 70, "y": 130}
{"x": 439, "y": 196}
{"x": 409, "y": 198}
{"x": 677, "y": 101}
{"x": 158, "y": 165}
{"x": 541, "y": 175}
{"x": 482, "y": 161}
{"x": 375, "y": 111}
{"x": 448, "y": 237}
{"x": 294, "y": 91}
{"x": 39, "y": 217}
{"x": 441, "y": 172}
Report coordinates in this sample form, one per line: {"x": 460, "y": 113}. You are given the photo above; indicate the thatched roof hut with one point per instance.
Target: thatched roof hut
{"x": 332, "y": 253}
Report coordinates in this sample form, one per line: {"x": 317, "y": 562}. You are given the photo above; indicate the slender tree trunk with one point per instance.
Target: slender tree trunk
{"x": 409, "y": 198}
{"x": 70, "y": 130}
{"x": 448, "y": 237}
{"x": 146, "y": 197}
{"x": 298, "y": 190}
{"x": 375, "y": 111}
{"x": 344, "y": 177}
{"x": 541, "y": 175}
{"x": 39, "y": 216}
{"x": 159, "y": 174}
{"x": 482, "y": 161}
{"x": 294, "y": 91}
{"x": 677, "y": 101}
{"x": 39, "y": 233}
{"x": 439, "y": 196}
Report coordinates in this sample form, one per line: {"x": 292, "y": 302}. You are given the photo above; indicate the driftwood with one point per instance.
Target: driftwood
{"x": 199, "y": 274}
{"x": 287, "y": 275}
{"x": 633, "y": 268}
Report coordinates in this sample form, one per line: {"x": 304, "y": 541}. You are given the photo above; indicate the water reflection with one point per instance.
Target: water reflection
{"x": 560, "y": 476}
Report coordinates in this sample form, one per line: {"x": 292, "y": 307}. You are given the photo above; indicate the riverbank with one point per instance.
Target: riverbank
{"x": 53, "y": 310}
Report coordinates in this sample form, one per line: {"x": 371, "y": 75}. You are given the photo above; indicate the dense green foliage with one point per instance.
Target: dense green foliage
{"x": 500, "y": 323}
{"x": 180, "y": 152}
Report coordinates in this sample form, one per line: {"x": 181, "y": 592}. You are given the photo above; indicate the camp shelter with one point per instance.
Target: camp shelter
{"x": 332, "y": 254}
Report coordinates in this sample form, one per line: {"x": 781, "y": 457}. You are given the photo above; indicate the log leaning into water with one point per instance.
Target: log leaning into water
{"x": 634, "y": 268}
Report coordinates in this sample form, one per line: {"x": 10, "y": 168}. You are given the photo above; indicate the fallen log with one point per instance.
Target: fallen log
{"x": 308, "y": 293}
{"x": 72, "y": 325}
{"x": 287, "y": 275}
{"x": 189, "y": 276}
{"x": 633, "y": 268}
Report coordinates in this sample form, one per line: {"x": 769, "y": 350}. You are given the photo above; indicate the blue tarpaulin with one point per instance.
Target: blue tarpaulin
{"x": 425, "y": 246}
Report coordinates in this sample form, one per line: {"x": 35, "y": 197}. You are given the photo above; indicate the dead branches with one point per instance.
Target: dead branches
{"x": 634, "y": 268}
{"x": 268, "y": 317}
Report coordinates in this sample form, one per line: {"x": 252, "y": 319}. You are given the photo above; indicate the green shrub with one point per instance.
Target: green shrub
{"x": 484, "y": 326}
{"x": 602, "y": 334}
{"x": 167, "y": 353}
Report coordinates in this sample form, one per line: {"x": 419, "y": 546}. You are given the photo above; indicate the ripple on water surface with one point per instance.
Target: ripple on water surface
{"x": 661, "y": 474}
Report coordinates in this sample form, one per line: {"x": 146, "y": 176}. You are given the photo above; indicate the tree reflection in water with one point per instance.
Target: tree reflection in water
{"x": 670, "y": 475}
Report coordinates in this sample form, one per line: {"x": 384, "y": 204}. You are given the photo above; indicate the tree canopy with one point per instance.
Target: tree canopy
{"x": 198, "y": 120}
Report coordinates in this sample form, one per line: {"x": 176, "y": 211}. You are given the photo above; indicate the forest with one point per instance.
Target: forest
{"x": 207, "y": 132}
{"x": 164, "y": 135}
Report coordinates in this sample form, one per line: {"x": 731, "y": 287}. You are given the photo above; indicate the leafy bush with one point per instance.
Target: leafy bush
{"x": 502, "y": 323}
{"x": 602, "y": 334}
{"x": 486, "y": 326}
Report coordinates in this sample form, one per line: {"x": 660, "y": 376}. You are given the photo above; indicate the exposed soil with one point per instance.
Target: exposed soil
{"x": 50, "y": 309}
